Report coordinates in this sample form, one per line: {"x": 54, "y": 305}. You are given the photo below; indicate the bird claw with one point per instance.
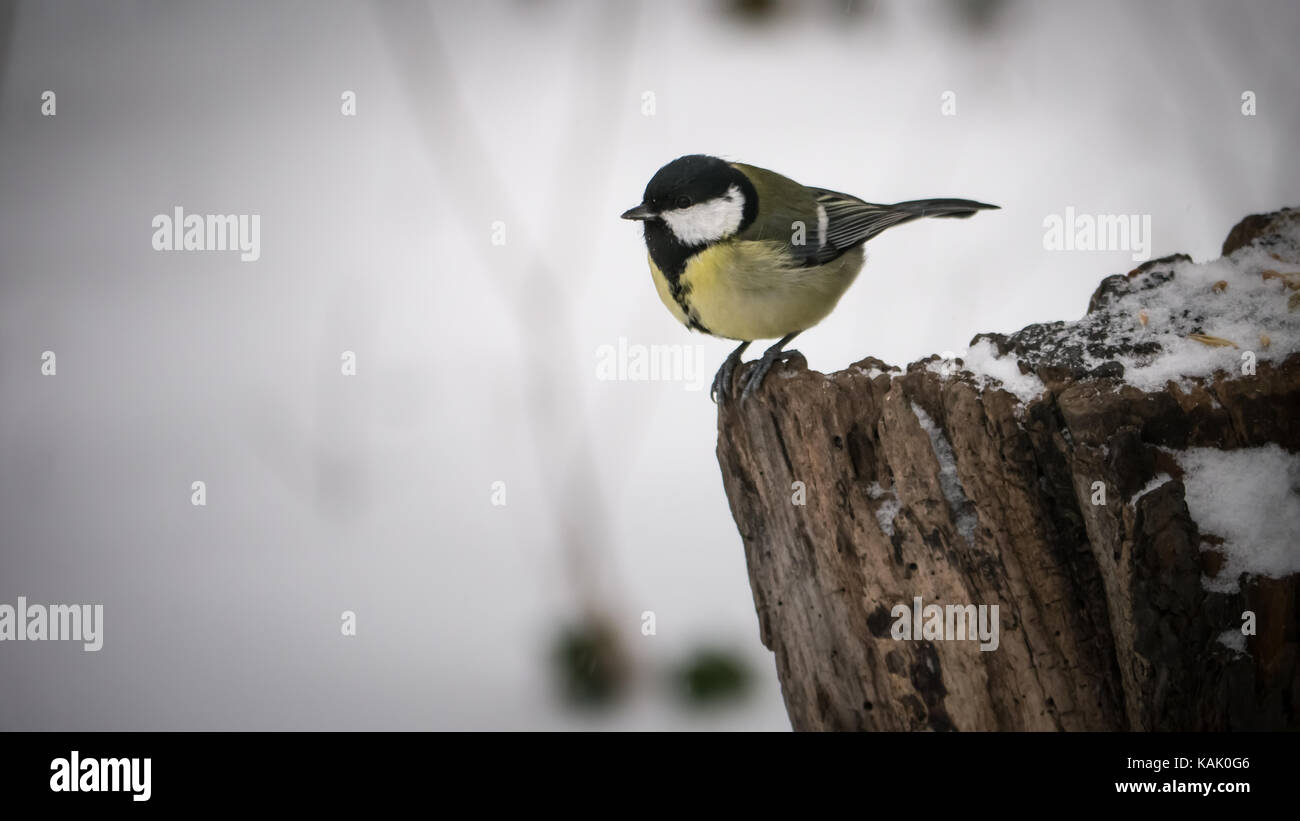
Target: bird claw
{"x": 754, "y": 380}
{"x": 722, "y": 379}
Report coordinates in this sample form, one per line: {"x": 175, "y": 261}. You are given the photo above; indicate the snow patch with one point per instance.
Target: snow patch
{"x": 872, "y": 372}
{"x": 991, "y": 370}
{"x": 983, "y": 361}
{"x": 887, "y": 510}
{"x": 1159, "y": 480}
{"x": 962, "y": 510}
{"x": 1190, "y": 302}
{"x": 1250, "y": 498}
{"x": 1234, "y": 640}
{"x": 1236, "y": 306}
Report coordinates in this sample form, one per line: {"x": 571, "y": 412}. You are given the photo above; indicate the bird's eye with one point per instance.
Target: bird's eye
{"x": 683, "y": 202}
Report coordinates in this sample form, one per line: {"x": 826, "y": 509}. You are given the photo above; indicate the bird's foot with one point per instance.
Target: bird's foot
{"x": 722, "y": 380}
{"x": 755, "y": 378}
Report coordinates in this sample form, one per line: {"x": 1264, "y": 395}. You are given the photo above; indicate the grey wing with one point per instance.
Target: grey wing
{"x": 845, "y": 222}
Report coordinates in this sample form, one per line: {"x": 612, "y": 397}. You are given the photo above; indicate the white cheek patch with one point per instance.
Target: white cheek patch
{"x": 710, "y": 221}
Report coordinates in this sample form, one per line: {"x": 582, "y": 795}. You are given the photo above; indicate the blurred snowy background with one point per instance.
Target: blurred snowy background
{"x": 477, "y": 362}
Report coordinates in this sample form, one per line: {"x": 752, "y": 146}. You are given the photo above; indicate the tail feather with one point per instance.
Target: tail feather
{"x": 851, "y": 222}
{"x": 917, "y": 209}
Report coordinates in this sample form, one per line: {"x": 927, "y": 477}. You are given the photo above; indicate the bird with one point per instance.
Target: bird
{"x": 744, "y": 253}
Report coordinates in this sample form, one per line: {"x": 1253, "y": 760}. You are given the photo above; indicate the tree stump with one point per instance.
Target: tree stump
{"x": 859, "y": 491}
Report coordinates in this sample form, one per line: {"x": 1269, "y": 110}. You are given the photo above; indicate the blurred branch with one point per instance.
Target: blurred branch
{"x": 536, "y": 300}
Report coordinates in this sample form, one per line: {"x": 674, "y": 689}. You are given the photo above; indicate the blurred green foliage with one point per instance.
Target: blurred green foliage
{"x": 710, "y": 676}
{"x": 589, "y": 664}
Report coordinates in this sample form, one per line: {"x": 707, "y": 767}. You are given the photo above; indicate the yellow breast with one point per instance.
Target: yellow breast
{"x": 747, "y": 290}
{"x": 665, "y": 292}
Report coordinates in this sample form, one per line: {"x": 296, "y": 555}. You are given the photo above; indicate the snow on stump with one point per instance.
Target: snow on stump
{"x": 1088, "y": 525}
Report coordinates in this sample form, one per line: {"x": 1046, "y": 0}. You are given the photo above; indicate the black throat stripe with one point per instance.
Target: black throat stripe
{"x": 671, "y": 255}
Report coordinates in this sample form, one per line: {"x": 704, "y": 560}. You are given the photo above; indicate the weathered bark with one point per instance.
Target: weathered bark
{"x": 1105, "y": 621}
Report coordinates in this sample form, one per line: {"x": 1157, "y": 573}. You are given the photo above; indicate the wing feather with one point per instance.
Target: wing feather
{"x": 851, "y": 221}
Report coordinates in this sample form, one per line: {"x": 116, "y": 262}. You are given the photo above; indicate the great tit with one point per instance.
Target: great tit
{"x": 743, "y": 253}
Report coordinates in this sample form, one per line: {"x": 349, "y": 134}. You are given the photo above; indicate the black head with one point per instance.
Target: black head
{"x": 687, "y": 181}
{"x": 691, "y": 203}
